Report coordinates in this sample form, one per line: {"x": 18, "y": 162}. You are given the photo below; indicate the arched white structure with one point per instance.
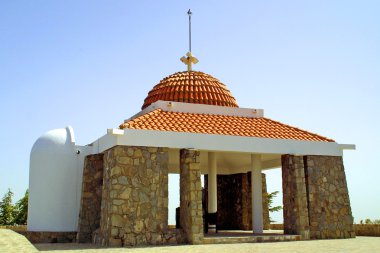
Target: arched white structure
{"x": 55, "y": 179}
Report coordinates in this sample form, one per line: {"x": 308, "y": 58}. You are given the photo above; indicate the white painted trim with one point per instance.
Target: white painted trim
{"x": 105, "y": 142}
{"x": 169, "y": 106}
{"x": 347, "y": 146}
{"x": 115, "y": 131}
{"x": 213, "y": 142}
{"x": 212, "y": 183}
{"x": 256, "y": 191}
{"x": 70, "y": 131}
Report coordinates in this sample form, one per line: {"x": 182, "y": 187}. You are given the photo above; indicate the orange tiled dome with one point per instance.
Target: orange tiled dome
{"x": 191, "y": 87}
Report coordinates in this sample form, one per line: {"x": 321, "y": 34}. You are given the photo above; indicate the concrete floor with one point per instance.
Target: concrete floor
{"x": 359, "y": 244}
{"x": 13, "y": 242}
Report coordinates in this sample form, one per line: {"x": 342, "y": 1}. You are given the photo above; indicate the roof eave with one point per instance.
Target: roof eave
{"x": 226, "y": 143}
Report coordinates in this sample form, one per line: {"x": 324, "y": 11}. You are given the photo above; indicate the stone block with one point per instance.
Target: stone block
{"x": 117, "y": 221}
{"x": 114, "y": 232}
{"x": 112, "y": 242}
{"x": 124, "y": 160}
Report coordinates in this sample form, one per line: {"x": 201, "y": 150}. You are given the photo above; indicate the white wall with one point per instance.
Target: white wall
{"x": 55, "y": 181}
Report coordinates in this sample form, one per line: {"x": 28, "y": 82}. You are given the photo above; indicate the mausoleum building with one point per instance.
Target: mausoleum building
{"x": 114, "y": 191}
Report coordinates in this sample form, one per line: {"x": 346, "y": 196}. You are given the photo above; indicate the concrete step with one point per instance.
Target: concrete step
{"x": 226, "y": 239}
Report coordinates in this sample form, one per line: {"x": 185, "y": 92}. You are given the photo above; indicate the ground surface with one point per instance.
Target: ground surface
{"x": 12, "y": 242}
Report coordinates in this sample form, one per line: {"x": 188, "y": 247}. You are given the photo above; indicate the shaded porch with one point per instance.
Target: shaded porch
{"x": 229, "y": 177}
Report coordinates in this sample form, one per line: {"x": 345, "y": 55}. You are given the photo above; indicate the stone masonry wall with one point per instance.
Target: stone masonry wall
{"x": 246, "y": 195}
{"x": 329, "y": 204}
{"x": 134, "y": 209}
{"x": 232, "y": 202}
{"x": 266, "y": 219}
{"x": 191, "y": 196}
{"x": 89, "y": 215}
{"x": 49, "y": 237}
{"x": 367, "y": 229}
{"x": 296, "y": 217}
{"x": 235, "y": 201}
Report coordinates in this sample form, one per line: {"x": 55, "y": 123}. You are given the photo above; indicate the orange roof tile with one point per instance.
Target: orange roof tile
{"x": 219, "y": 124}
{"x": 191, "y": 87}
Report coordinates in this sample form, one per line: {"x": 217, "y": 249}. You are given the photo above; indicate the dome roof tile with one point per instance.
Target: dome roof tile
{"x": 191, "y": 87}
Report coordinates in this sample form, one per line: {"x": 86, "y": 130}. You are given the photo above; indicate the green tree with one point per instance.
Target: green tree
{"x": 369, "y": 221}
{"x": 6, "y": 209}
{"x": 272, "y": 208}
{"x": 21, "y": 210}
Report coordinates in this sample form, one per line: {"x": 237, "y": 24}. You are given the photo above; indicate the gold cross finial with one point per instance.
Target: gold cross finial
{"x": 189, "y": 60}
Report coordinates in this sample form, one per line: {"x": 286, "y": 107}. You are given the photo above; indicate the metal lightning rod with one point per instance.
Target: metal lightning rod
{"x": 189, "y": 13}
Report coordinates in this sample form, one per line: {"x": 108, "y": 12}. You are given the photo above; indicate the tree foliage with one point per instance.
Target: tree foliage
{"x": 21, "y": 210}
{"x": 13, "y": 214}
{"x": 7, "y": 209}
{"x": 272, "y": 208}
{"x": 369, "y": 221}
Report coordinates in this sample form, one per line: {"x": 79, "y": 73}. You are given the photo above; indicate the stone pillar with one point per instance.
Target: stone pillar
{"x": 266, "y": 219}
{"x": 191, "y": 196}
{"x": 257, "y": 201}
{"x": 244, "y": 215}
{"x": 212, "y": 192}
{"x": 91, "y": 198}
{"x": 329, "y": 205}
{"x": 296, "y": 218}
{"x": 134, "y": 209}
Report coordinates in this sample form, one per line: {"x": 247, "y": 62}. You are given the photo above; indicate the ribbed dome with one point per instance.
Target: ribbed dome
{"x": 191, "y": 87}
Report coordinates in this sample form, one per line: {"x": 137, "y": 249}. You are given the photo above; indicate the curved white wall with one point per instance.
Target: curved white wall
{"x": 55, "y": 178}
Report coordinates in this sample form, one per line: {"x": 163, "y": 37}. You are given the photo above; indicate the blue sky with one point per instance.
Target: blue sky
{"x": 90, "y": 64}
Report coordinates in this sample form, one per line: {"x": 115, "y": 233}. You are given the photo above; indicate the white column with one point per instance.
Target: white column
{"x": 212, "y": 187}
{"x": 256, "y": 189}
